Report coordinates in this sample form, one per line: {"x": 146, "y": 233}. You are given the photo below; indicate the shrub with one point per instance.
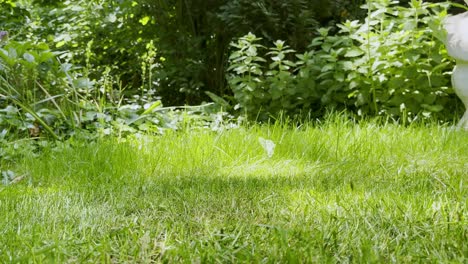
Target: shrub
{"x": 40, "y": 97}
{"x": 390, "y": 64}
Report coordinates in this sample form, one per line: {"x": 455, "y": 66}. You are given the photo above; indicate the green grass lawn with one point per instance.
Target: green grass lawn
{"x": 330, "y": 193}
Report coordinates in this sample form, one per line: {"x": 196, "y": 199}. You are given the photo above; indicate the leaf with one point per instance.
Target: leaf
{"x": 217, "y": 99}
{"x": 60, "y": 44}
{"x": 42, "y": 46}
{"x": 12, "y": 53}
{"x": 289, "y": 63}
{"x": 339, "y": 76}
{"x": 45, "y": 56}
{"x": 354, "y": 52}
{"x": 347, "y": 65}
{"x": 28, "y": 57}
{"x": 328, "y": 67}
{"x": 144, "y": 20}
{"x": 433, "y": 108}
{"x": 83, "y": 83}
{"x": 152, "y": 107}
{"x": 438, "y": 31}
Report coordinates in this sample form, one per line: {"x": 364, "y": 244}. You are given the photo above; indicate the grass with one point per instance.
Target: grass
{"x": 331, "y": 193}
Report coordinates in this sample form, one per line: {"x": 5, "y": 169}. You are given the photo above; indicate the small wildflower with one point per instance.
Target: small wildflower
{"x": 3, "y": 35}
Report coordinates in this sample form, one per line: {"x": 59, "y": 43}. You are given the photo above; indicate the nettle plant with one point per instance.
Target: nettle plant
{"x": 390, "y": 64}
{"x": 258, "y": 90}
{"x": 247, "y": 78}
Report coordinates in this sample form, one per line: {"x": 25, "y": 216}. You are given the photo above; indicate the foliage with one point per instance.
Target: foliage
{"x": 390, "y": 64}
{"x": 13, "y": 16}
{"x": 43, "y": 93}
{"x": 294, "y": 19}
{"x": 29, "y": 74}
{"x": 41, "y": 97}
{"x": 191, "y": 38}
{"x": 100, "y": 65}
{"x": 98, "y": 35}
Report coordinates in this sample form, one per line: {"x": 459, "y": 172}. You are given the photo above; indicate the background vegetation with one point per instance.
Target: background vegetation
{"x": 112, "y": 66}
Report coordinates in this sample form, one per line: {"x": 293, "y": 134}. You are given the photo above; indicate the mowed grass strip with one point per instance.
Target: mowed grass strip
{"x": 337, "y": 192}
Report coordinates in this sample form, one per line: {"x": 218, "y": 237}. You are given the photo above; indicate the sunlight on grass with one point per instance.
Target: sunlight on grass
{"x": 331, "y": 193}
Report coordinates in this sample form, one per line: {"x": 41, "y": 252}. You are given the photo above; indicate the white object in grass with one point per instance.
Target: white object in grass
{"x": 268, "y": 146}
{"x": 457, "y": 47}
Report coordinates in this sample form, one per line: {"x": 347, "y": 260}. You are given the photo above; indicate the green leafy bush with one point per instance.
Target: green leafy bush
{"x": 390, "y": 64}
{"x": 98, "y": 35}
{"x": 13, "y": 17}
{"x": 31, "y": 79}
{"x": 191, "y": 37}
{"x": 39, "y": 97}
